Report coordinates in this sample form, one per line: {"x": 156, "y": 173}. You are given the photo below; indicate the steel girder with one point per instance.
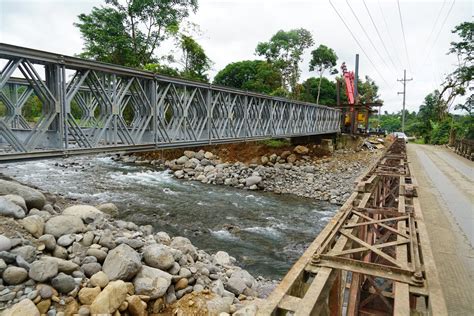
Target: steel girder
{"x": 88, "y": 105}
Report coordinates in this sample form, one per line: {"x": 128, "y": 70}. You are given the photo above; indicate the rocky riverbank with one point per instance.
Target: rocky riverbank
{"x": 301, "y": 171}
{"x": 60, "y": 259}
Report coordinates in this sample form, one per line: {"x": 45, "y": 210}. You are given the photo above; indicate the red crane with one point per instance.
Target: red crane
{"x": 349, "y": 79}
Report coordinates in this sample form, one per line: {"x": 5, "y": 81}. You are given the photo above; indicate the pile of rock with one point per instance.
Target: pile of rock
{"x": 328, "y": 179}
{"x": 81, "y": 261}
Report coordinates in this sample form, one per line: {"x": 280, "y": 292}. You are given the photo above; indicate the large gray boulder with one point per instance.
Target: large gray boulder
{"x": 63, "y": 283}
{"x": 64, "y": 224}
{"x": 43, "y": 270}
{"x": 18, "y": 200}
{"x": 152, "y": 282}
{"x": 33, "y": 198}
{"x": 10, "y": 209}
{"x": 184, "y": 245}
{"x": 158, "y": 256}
{"x": 253, "y": 180}
{"x": 87, "y": 213}
{"x": 122, "y": 263}
{"x": 27, "y": 252}
{"x": 236, "y": 285}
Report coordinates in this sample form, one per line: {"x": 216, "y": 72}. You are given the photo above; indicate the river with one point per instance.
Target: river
{"x": 273, "y": 229}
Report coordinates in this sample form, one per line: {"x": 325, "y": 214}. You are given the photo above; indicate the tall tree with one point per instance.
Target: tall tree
{"x": 128, "y": 32}
{"x": 194, "y": 60}
{"x": 319, "y": 89}
{"x": 285, "y": 50}
{"x": 253, "y": 75}
{"x": 323, "y": 58}
{"x": 458, "y": 81}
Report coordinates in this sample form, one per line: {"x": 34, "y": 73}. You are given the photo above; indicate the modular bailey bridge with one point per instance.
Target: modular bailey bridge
{"x": 89, "y": 107}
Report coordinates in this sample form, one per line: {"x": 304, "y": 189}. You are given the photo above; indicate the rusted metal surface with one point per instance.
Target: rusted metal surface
{"x": 373, "y": 258}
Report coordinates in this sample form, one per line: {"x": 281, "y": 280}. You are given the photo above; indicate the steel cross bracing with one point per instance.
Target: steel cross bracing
{"x": 373, "y": 258}
{"x": 84, "y": 105}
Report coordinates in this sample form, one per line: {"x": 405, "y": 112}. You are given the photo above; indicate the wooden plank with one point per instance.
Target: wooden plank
{"x": 401, "y": 290}
{"x": 289, "y": 303}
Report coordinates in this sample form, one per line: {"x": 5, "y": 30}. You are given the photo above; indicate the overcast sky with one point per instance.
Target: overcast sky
{"x": 232, "y": 28}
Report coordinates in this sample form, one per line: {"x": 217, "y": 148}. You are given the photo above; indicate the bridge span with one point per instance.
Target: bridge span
{"x": 89, "y": 107}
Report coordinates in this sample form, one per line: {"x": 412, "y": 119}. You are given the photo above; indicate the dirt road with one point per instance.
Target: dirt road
{"x": 446, "y": 192}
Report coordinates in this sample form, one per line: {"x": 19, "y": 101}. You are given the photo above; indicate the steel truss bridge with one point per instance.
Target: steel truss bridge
{"x": 84, "y": 106}
{"x": 373, "y": 257}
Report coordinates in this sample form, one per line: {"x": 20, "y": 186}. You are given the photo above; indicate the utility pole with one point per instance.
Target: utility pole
{"x": 404, "y": 80}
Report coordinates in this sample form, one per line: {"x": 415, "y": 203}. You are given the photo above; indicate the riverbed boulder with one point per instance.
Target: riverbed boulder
{"x": 87, "y": 213}
{"x": 5, "y": 243}
{"x": 32, "y": 197}
{"x": 236, "y": 285}
{"x": 27, "y": 252}
{"x": 43, "y": 270}
{"x": 64, "y": 224}
{"x": 24, "y": 307}
{"x": 253, "y": 180}
{"x": 109, "y": 208}
{"x": 99, "y": 279}
{"x": 158, "y": 256}
{"x": 109, "y": 300}
{"x": 14, "y": 275}
{"x": 88, "y": 295}
{"x": 301, "y": 150}
{"x": 222, "y": 258}
{"x": 152, "y": 282}
{"x": 63, "y": 283}
{"x": 184, "y": 245}
{"x": 34, "y": 224}
{"x": 122, "y": 263}
{"x": 18, "y": 200}
{"x": 10, "y": 209}
{"x": 49, "y": 241}
{"x": 291, "y": 158}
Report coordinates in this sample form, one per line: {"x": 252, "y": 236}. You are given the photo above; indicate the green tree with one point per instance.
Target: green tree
{"x": 194, "y": 60}
{"x": 323, "y": 58}
{"x": 128, "y": 32}
{"x": 368, "y": 91}
{"x": 285, "y": 50}
{"x": 253, "y": 75}
{"x": 458, "y": 81}
{"x": 322, "y": 88}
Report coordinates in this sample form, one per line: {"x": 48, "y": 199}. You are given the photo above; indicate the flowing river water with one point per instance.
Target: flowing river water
{"x": 273, "y": 230}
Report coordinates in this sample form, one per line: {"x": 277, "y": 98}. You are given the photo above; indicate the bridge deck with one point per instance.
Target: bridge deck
{"x": 89, "y": 106}
{"x": 373, "y": 258}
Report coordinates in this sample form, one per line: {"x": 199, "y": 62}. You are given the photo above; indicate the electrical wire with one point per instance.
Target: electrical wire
{"x": 366, "y": 35}
{"x": 360, "y": 46}
{"x": 404, "y": 38}
{"x": 380, "y": 37}
{"x": 387, "y": 29}
{"x": 442, "y": 26}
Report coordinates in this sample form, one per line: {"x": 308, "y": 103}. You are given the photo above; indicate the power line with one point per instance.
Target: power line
{"x": 389, "y": 34}
{"x": 360, "y": 46}
{"x": 403, "y": 32}
{"x": 428, "y": 54}
{"x": 366, "y": 35}
{"x": 380, "y": 37}
{"x": 442, "y": 26}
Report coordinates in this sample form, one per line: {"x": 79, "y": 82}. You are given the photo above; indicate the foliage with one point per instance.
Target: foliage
{"x": 285, "y": 50}
{"x": 368, "y": 91}
{"x": 276, "y": 142}
{"x": 253, "y": 75}
{"x": 458, "y": 81}
{"x": 162, "y": 69}
{"x": 319, "y": 87}
{"x": 194, "y": 60}
{"x": 128, "y": 32}
{"x": 323, "y": 58}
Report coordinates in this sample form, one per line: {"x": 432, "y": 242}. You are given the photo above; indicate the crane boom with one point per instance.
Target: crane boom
{"x": 349, "y": 80}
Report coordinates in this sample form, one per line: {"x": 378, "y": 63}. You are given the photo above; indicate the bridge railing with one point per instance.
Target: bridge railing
{"x": 83, "y": 105}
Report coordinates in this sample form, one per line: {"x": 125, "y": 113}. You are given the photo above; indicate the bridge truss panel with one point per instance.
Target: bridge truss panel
{"x": 85, "y": 106}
